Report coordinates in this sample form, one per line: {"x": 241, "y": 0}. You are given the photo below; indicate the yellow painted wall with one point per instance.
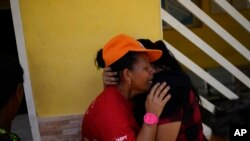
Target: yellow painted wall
{"x": 62, "y": 38}
{"x": 190, "y": 50}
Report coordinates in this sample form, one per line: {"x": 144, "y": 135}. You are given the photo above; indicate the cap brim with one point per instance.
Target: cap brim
{"x": 152, "y": 53}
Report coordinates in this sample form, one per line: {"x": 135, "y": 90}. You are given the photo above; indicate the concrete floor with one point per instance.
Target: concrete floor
{"x": 21, "y": 127}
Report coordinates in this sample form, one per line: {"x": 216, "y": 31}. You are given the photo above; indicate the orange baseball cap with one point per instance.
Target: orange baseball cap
{"x": 118, "y": 46}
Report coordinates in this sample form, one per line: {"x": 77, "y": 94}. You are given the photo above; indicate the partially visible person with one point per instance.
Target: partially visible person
{"x": 110, "y": 116}
{"x": 11, "y": 94}
{"x": 181, "y": 118}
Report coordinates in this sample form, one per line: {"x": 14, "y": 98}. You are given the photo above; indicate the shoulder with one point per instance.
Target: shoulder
{"x": 109, "y": 117}
{"x": 108, "y": 96}
{"x": 110, "y": 102}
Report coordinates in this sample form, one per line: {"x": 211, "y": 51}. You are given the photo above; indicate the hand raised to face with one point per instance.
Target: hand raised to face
{"x": 157, "y": 98}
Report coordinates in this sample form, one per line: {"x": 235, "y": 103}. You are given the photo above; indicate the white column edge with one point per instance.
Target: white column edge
{"x": 15, "y": 10}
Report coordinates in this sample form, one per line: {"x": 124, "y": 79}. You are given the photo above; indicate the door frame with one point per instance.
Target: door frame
{"x": 17, "y": 23}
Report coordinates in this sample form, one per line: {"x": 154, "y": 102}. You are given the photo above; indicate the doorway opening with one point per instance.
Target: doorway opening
{"x": 20, "y": 124}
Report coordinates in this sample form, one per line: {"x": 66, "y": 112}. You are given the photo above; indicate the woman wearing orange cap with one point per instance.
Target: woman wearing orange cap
{"x": 110, "y": 116}
{"x": 180, "y": 119}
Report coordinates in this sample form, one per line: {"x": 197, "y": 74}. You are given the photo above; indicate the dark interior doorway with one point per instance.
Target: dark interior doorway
{"x": 20, "y": 125}
{"x": 8, "y": 42}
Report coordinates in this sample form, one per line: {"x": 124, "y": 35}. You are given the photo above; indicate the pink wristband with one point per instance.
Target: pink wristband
{"x": 150, "y": 118}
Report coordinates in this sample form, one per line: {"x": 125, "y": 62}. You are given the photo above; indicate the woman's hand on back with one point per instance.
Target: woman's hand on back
{"x": 157, "y": 98}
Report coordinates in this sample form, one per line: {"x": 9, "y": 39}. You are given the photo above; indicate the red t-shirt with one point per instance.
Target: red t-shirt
{"x": 110, "y": 118}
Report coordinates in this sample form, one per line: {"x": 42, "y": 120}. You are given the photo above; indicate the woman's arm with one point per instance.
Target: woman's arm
{"x": 156, "y": 100}
{"x": 168, "y": 131}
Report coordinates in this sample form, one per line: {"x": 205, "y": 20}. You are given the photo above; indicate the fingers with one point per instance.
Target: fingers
{"x": 152, "y": 91}
{"x": 107, "y": 72}
{"x": 163, "y": 93}
{"x": 109, "y": 77}
{"x": 166, "y": 99}
{"x": 157, "y": 98}
{"x": 160, "y": 89}
{"x": 110, "y": 83}
{"x": 107, "y": 69}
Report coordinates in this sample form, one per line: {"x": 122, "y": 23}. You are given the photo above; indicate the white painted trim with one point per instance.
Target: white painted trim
{"x": 15, "y": 9}
{"x": 233, "y": 13}
{"x": 201, "y": 73}
{"x": 207, "y": 131}
{"x": 216, "y": 28}
{"x": 207, "y": 105}
{"x": 161, "y": 27}
{"x": 205, "y": 47}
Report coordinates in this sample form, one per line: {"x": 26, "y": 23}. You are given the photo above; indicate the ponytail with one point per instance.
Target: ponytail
{"x": 99, "y": 62}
